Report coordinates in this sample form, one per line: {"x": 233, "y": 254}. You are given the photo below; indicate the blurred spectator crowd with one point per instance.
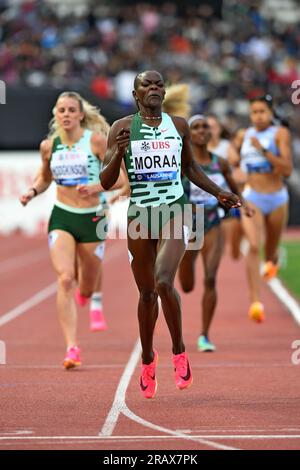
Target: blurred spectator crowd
{"x": 225, "y": 61}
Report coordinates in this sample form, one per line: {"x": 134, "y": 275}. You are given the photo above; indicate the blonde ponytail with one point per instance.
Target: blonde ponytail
{"x": 93, "y": 119}
{"x": 176, "y": 100}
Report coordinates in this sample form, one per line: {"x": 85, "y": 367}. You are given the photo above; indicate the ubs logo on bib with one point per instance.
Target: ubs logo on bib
{"x": 160, "y": 145}
{"x": 155, "y": 145}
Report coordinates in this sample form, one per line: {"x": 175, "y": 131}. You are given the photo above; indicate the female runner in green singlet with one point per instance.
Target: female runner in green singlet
{"x": 72, "y": 157}
{"x": 156, "y": 148}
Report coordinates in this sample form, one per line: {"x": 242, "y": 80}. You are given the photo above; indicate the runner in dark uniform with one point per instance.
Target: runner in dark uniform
{"x": 219, "y": 171}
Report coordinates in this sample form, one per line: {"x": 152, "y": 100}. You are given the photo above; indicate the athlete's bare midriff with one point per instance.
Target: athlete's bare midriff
{"x": 70, "y": 196}
{"x": 265, "y": 183}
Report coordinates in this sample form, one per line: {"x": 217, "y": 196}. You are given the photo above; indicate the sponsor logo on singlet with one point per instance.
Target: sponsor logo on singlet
{"x": 155, "y": 160}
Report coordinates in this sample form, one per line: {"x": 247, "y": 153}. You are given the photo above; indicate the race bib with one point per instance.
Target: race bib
{"x": 155, "y": 160}
{"x": 253, "y": 161}
{"x": 256, "y": 164}
{"x": 199, "y": 196}
{"x": 69, "y": 168}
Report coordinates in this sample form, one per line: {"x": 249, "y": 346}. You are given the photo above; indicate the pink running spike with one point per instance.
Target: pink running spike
{"x": 183, "y": 372}
{"x": 97, "y": 320}
{"x": 148, "y": 381}
{"x": 72, "y": 358}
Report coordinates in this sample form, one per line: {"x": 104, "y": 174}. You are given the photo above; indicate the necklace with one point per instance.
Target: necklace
{"x": 150, "y": 118}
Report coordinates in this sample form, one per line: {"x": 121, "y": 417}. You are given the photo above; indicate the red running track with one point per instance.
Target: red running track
{"x": 244, "y": 396}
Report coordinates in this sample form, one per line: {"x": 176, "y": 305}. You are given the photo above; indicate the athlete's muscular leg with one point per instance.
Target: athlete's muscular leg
{"x": 90, "y": 268}
{"x": 236, "y": 238}
{"x": 211, "y": 254}
{"x": 170, "y": 253}
{"x": 143, "y": 252}
{"x": 275, "y": 224}
{"x": 253, "y": 229}
{"x": 63, "y": 256}
{"x": 187, "y": 270}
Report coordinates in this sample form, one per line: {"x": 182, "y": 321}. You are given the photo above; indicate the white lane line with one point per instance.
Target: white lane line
{"x": 41, "y": 296}
{"x": 119, "y": 407}
{"x": 200, "y": 439}
{"x": 28, "y": 304}
{"x": 239, "y": 431}
{"x": 279, "y": 290}
{"x": 119, "y": 399}
{"x": 15, "y": 433}
{"x": 286, "y": 298}
{"x": 151, "y": 437}
{"x": 23, "y": 260}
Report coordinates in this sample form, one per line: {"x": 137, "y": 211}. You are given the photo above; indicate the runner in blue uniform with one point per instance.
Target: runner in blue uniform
{"x": 266, "y": 157}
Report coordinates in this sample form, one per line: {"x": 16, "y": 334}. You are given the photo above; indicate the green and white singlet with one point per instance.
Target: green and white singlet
{"x": 198, "y": 196}
{"x": 70, "y": 167}
{"x": 153, "y": 163}
{"x": 75, "y": 165}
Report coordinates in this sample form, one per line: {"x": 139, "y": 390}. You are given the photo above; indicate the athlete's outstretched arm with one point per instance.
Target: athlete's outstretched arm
{"x": 118, "y": 141}
{"x": 196, "y": 175}
{"x": 43, "y": 179}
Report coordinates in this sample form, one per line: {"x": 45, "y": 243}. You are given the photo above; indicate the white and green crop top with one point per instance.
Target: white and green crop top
{"x": 75, "y": 165}
{"x": 153, "y": 162}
